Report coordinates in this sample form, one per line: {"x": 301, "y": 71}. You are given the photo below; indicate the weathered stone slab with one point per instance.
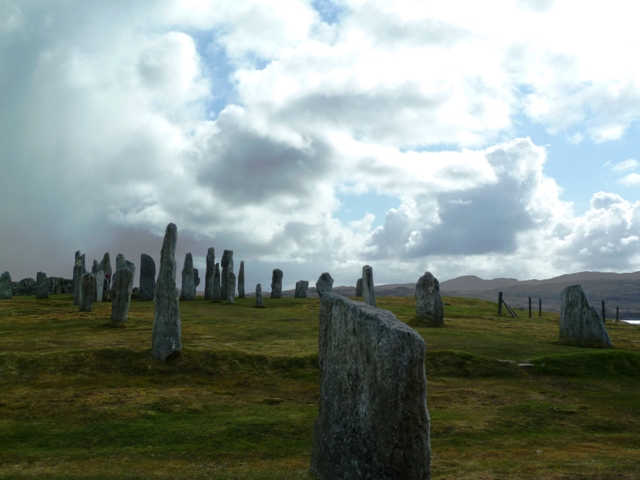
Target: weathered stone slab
{"x": 231, "y": 284}
{"x": 43, "y": 285}
{"x": 259, "y": 300}
{"x": 77, "y": 282}
{"x": 99, "y": 280}
{"x": 147, "y": 277}
{"x": 196, "y": 278}
{"x": 226, "y": 264}
{"x": 429, "y": 307}
{"x": 368, "y": 292}
{"x": 324, "y": 284}
{"x": 121, "y": 262}
{"x": 121, "y": 288}
{"x": 216, "y": 293}
{"x": 95, "y": 267}
{"x": 105, "y": 266}
{"x": 88, "y": 292}
{"x": 359, "y": 287}
{"x": 80, "y": 257}
{"x": 241, "y": 280}
{"x": 188, "y": 279}
{"x": 6, "y": 292}
{"x": 276, "y": 283}
{"x": 208, "y": 274}
{"x": 580, "y": 323}
{"x": 167, "y": 329}
{"x": 373, "y": 421}
{"x": 301, "y": 289}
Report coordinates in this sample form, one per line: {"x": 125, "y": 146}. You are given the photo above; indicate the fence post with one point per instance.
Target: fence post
{"x": 499, "y": 303}
{"x": 603, "y": 317}
{"x": 539, "y": 307}
{"x": 529, "y": 307}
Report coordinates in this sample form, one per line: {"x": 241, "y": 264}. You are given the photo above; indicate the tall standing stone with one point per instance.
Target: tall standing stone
{"x": 259, "y": 301}
{"x": 99, "y": 277}
{"x": 88, "y": 292}
{"x": 188, "y": 280}
{"x": 77, "y": 282}
{"x": 359, "y": 287}
{"x": 80, "y": 257}
{"x": 147, "y": 277}
{"x": 105, "y": 266}
{"x": 428, "y": 301}
{"x": 196, "y": 278}
{"x": 208, "y": 274}
{"x": 368, "y": 293}
{"x": 121, "y": 262}
{"x": 167, "y": 330}
{"x": 226, "y": 263}
{"x": 121, "y": 288}
{"x": 216, "y": 294}
{"x": 324, "y": 283}
{"x": 301, "y": 289}
{"x": 42, "y": 285}
{"x": 6, "y": 292}
{"x": 241, "y": 280}
{"x": 276, "y": 283}
{"x": 95, "y": 267}
{"x": 231, "y": 293}
{"x": 581, "y": 323}
{"x": 372, "y": 419}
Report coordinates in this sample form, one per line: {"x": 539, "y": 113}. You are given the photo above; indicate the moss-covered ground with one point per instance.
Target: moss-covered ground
{"x": 80, "y": 398}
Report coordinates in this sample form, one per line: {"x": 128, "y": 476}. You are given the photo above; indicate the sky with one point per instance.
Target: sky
{"x": 494, "y": 139}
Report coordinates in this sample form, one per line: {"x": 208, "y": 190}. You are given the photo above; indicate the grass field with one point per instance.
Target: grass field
{"x": 80, "y": 398}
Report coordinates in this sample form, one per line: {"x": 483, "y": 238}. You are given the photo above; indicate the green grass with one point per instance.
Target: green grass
{"x": 82, "y": 399}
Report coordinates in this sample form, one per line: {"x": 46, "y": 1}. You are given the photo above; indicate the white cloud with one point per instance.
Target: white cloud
{"x": 625, "y": 166}
{"x": 630, "y": 180}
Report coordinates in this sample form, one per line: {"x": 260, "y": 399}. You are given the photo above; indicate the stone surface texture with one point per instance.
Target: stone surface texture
{"x": 231, "y": 283}
{"x": 301, "y": 289}
{"x": 216, "y": 292}
{"x": 147, "y": 277}
{"x": 167, "y": 329}
{"x": 368, "y": 292}
{"x": 88, "y": 292}
{"x": 188, "y": 291}
{"x": 324, "y": 284}
{"x": 121, "y": 262}
{"x": 208, "y": 274}
{"x": 226, "y": 264}
{"x": 42, "y": 285}
{"x": 196, "y": 278}
{"x": 580, "y": 321}
{"x": 6, "y": 292}
{"x": 241, "y": 280}
{"x": 99, "y": 276}
{"x": 373, "y": 421}
{"x": 276, "y": 283}
{"x": 428, "y": 300}
{"x": 359, "y": 287}
{"x": 259, "y": 300}
{"x": 121, "y": 289}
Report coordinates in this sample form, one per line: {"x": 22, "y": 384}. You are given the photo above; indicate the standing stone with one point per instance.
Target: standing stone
{"x": 428, "y": 301}
{"x": 324, "y": 284}
{"x": 77, "y": 282}
{"x": 276, "y": 283}
{"x": 81, "y": 258}
{"x": 105, "y": 266}
{"x": 208, "y": 274}
{"x": 88, "y": 292}
{"x": 188, "y": 280}
{"x": 99, "y": 277}
{"x": 241, "y": 280}
{"x": 95, "y": 267}
{"x": 196, "y": 278}
{"x": 231, "y": 293}
{"x": 147, "y": 277}
{"x": 216, "y": 295}
{"x": 121, "y": 288}
{"x": 301, "y": 289}
{"x": 226, "y": 263}
{"x": 580, "y": 323}
{"x": 42, "y": 285}
{"x": 6, "y": 292}
{"x": 368, "y": 293}
{"x": 359, "y": 287}
{"x": 120, "y": 262}
{"x": 372, "y": 419}
{"x": 166, "y": 339}
{"x": 259, "y": 301}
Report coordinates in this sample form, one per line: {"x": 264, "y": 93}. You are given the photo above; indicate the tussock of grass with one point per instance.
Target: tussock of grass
{"x": 603, "y": 364}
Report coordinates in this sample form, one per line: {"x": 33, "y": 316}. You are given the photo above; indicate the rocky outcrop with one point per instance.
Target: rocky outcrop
{"x": 429, "y": 307}
{"x": 372, "y": 419}
{"x": 324, "y": 284}
{"x": 580, "y": 323}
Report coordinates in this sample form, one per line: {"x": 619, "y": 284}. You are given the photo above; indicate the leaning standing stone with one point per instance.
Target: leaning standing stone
{"x": 580, "y": 323}
{"x": 122, "y": 287}
{"x": 368, "y": 292}
{"x": 372, "y": 419}
{"x": 241, "y": 280}
{"x": 231, "y": 294}
{"x": 188, "y": 279}
{"x": 167, "y": 330}
{"x": 226, "y": 263}
{"x": 77, "y": 282}
{"x": 301, "y": 289}
{"x": 216, "y": 295}
{"x": 6, "y": 292}
{"x": 324, "y": 283}
{"x": 259, "y": 301}
{"x": 147, "y": 277}
{"x": 42, "y": 285}
{"x": 359, "y": 287}
{"x": 429, "y": 307}
{"x": 276, "y": 283}
{"x": 88, "y": 292}
{"x": 208, "y": 274}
